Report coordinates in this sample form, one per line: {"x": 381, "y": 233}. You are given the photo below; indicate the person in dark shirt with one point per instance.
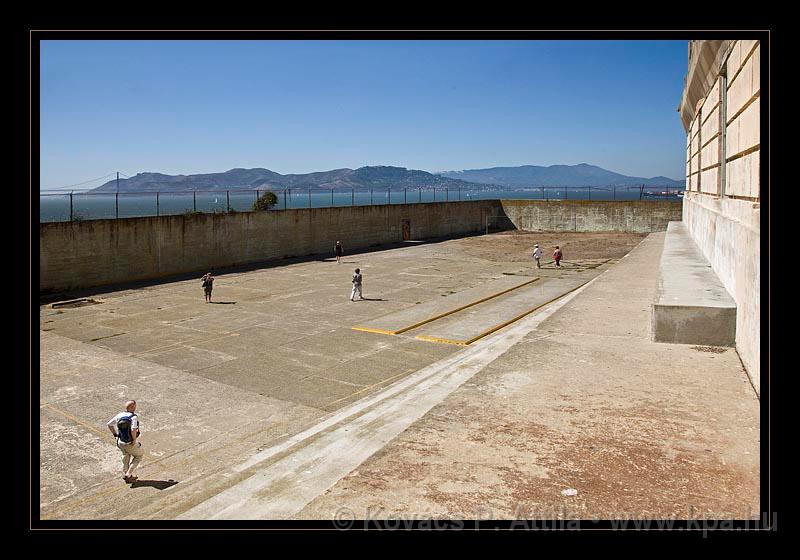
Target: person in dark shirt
{"x": 338, "y": 250}
{"x": 208, "y": 285}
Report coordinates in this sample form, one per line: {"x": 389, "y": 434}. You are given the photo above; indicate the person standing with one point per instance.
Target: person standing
{"x": 338, "y": 250}
{"x": 557, "y": 255}
{"x": 208, "y": 285}
{"x": 125, "y": 427}
{"x": 537, "y": 255}
{"x": 356, "y": 285}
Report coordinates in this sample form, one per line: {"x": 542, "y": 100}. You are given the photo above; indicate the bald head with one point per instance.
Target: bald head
{"x": 130, "y": 406}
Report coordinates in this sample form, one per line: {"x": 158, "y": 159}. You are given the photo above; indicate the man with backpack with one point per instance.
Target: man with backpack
{"x": 125, "y": 427}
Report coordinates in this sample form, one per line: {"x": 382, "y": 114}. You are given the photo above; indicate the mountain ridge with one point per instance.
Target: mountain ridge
{"x": 580, "y": 175}
{"x": 381, "y": 177}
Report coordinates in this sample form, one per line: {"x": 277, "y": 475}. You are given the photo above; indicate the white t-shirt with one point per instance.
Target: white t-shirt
{"x": 537, "y": 253}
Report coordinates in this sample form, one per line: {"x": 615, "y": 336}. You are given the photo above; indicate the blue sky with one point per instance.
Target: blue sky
{"x": 183, "y": 107}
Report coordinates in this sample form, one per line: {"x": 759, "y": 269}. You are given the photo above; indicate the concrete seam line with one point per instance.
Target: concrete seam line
{"x": 445, "y": 314}
{"x": 78, "y": 421}
{"x": 370, "y": 387}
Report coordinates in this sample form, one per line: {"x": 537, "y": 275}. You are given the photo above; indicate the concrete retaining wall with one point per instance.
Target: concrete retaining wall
{"x": 92, "y": 253}
{"x": 592, "y": 215}
{"x": 728, "y": 232}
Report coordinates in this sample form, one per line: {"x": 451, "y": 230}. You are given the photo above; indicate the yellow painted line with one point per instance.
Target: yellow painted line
{"x": 500, "y": 326}
{"x": 444, "y": 340}
{"x": 379, "y": 331}
{"x": 446, "y": 313}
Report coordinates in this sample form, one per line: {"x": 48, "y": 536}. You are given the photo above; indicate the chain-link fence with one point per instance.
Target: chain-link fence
{"x": 58, "y": 206}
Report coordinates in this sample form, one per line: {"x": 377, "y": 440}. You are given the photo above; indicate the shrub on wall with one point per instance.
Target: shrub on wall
{"x": 265, "y": 201}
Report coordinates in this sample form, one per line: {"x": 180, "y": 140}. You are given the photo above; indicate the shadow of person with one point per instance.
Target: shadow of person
{"x": 223, "y": 302}
{"x": 374, "y": 299}
{"x": 159, "y": 484}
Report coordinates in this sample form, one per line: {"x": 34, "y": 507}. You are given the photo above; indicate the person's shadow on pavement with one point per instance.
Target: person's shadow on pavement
{"x": 159, "y": 484}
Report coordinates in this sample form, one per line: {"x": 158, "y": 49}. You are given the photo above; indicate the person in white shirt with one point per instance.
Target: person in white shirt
{"x": 125, "y": 427}
{"x": 537, "y": 255}
{"x": 356, "y": 285}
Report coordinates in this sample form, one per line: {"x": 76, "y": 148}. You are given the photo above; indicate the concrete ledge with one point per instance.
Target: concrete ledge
{"x": 692, "y": 305}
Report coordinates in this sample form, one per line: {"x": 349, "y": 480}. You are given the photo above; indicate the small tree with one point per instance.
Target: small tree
{"x": 265, "y": 201}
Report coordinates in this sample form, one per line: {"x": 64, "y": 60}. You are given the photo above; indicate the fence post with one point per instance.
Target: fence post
{"x": 447, "y": 194}
{"x": 459, "y": 192}
{"x": 116, "y": 204}
{"x": 370, "y": 196}
{"x": 390, "y": 194}
{"x": 158, "y": 206}
{"x": 228, "y": 200}
{"x": 405, "y": 195}
{"x": 419, "y": 192}
{"x": 566, "y": 193}
{"x": 331, "y": 197}
{"x": 353, "y": 196}
{"x": 70, "y": 206}
{"x": 542, "y": 193}
{"x": 257, "y": 196}
{"x": 615, "y": 193}
{"x": 284, "y": 200}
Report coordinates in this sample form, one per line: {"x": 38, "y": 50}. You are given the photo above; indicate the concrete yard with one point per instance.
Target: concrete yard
{"x": 267, "y": 404}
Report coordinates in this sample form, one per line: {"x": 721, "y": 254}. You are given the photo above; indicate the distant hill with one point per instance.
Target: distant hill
{"x": 581, "y": 175}
{"x": 251, "y": 179}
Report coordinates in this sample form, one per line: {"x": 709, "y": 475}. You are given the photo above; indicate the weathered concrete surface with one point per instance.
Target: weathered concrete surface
{"x": 281, "y": 489}
{"x": 219, "y": 383}
{"x": 585, "y": 401}
{"x": 640, "y": 216}
{"x": 728, "y": 232}
{"x": 692, "y": 305}
{"x": 296, "y": 374}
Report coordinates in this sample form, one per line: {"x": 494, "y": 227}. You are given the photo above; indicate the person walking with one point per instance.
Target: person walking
{"x": 208, "y": 285}
{"x": 338, "y": 250}
{"x": 356, "y": 285}
{"x": 125, "y": 427}
{"x": 557, "y": 255}
{"x": 537, "y": 255}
